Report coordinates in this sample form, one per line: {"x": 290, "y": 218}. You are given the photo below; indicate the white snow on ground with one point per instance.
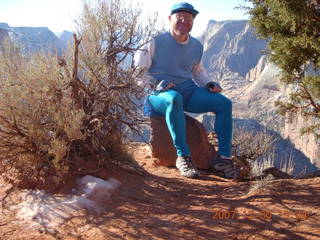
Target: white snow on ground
{"x": 42, "y": 210}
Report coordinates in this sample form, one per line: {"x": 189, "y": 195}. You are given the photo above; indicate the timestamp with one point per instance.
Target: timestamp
{"x": 263, "y": 215}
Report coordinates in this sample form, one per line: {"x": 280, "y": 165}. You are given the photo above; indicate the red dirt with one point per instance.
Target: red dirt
{"x": 157, "y": 203}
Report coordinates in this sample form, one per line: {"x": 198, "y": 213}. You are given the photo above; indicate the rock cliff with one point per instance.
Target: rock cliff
{"x": 34, "y": 38}
{"x": 235, "y": 57}
{"x": 3, "y": 34}
{"x": 231, "y": 50}
{"x": 307, "y": 143}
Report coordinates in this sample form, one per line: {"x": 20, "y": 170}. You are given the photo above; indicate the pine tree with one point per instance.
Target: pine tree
{"x": 293, "y": 30}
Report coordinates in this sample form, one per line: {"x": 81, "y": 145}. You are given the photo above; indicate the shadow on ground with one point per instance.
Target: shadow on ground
{"x": 156, "y": 203}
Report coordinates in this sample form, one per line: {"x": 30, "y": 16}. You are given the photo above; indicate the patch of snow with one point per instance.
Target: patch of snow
{"x": 43, "y": 210}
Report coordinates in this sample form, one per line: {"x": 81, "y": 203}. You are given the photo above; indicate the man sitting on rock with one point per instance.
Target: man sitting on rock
{"x": 173, "y": 64}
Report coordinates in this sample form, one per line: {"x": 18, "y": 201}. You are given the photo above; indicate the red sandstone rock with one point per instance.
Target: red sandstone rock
{"x": 162, "y": 147}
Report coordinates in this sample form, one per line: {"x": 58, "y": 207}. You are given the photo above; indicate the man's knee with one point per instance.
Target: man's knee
{"x": 175, "y": 98}
{"x": 227, "y": 103}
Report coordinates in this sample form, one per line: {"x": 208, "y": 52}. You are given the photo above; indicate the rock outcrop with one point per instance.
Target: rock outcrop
{"x": 66, "y": 37}
{"x": 3, "y": 35}
{"x": 255, "y": 72}
{"x": 231, "y": 50}
{"x": 307, "y": 143}
{"x": 234, "y": 56}
{"x": 162, "y": 147}
{"x": 256, "y": 99}
{"x": 34, "y": 38}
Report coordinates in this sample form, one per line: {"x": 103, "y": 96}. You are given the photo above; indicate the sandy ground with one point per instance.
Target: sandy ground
{"x": 157, "y": 203}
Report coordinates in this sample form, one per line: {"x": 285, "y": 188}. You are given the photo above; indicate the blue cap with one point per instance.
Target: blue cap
{"x": 183, "y": 7}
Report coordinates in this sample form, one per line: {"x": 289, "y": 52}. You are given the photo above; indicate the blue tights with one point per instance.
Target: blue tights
{"x": 170, "y": 104}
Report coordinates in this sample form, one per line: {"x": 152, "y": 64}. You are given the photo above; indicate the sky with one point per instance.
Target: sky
{"x": 59, "y": 15}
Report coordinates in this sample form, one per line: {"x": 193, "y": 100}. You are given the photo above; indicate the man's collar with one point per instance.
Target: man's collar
{"x": 184, "y": 42}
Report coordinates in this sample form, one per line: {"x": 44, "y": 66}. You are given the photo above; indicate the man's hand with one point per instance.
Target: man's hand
{"x": 214, "y": 87}
{"x": 164, "y": 85}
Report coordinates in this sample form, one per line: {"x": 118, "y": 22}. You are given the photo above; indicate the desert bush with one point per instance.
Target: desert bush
{"x": 38, "y": 118}
{"x": 257, "y": 167}
{"x": 248, "y": 146}
{"x": 111, "y": 32}
{"x": 55, "y": 110}
{"x": 254, "y": 153}
{"x": 264, "y": 182}
{"x": 251, "y": 144}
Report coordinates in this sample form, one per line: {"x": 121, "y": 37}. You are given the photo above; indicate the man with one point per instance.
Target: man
{"x": 173, "y": 64}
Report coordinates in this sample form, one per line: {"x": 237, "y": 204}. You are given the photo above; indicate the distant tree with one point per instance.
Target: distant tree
{"x": 293, "y": 30}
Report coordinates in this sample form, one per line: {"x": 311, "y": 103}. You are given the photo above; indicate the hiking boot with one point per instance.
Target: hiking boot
{"x": 186, "y": 167}
{"x": 225, "y": 167}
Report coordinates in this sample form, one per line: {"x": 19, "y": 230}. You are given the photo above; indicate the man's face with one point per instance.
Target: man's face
{"x": 181, "y": 22}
